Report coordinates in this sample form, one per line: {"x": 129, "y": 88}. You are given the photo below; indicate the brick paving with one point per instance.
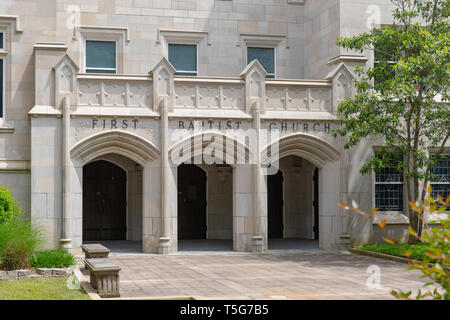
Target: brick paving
{"x": 260, "y": 276}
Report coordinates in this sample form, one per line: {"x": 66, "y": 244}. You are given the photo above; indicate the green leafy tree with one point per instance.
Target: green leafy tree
{"x": 8, "y": 206}
{"x": 403, "y": 98}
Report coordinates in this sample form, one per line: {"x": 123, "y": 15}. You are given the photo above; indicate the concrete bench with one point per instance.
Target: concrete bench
{"x": 104, "y": 277}
{"x": 94, "y": 251}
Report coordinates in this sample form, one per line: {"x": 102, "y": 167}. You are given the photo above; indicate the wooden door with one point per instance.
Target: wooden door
{"x": 275, "y": 205}
{"x": 316, "y": 204}
{"x": 191, "y": 202}
{"x": 104, "y": 202}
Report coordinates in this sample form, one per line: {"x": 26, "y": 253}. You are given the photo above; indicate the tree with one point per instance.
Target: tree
{"x": 403, "y": 98}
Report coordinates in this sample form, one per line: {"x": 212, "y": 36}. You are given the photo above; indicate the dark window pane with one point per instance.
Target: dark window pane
{"x": 442, "y": 190}
{"x": 265, "y": 56}
{"x": 388, "y": 175}
{"x": 441, "y": 172}
{"x": 184, "y": 58}
{"x": 1, "y": 41}
{"x": 100, "y": 54}
{"x": 389, "y": 197}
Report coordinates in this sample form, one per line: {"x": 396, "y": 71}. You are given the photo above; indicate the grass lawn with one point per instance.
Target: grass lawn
{"x": 40, "y": 289}
{"x": 418, "y": 249}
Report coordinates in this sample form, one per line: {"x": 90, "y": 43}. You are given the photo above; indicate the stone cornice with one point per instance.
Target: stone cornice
{"x": 14, "y": 165}
{"x": 53, "y": 46}
{"x": 347, "y": 58}
{"x": 10, "y": 19}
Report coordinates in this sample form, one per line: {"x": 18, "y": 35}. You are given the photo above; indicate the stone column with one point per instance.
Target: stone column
{"x": 164, "y": 240}
{"x": 163, "y": 101}
{"x": 66, "y": 241}
{"x": 330, "y": 223}
{"x": 258, "y": 238}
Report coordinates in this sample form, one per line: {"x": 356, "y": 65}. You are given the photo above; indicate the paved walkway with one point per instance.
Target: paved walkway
{"x": 309, "y": 275}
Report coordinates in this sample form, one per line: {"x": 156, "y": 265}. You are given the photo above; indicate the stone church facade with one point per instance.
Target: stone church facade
{"x": 156, "y": 121}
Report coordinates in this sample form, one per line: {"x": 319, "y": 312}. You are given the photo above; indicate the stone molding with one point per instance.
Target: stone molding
{"x": 115, "y": 141}
{"x": 10, "y": 19}
{"x": 311, "y": 148}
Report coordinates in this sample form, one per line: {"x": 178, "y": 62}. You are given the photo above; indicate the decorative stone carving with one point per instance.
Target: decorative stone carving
{"x": 341, "y": 77}
{"x": 65, "y": 80}
{"x": 163, "y": 85}
{"x": 255, "y": 85}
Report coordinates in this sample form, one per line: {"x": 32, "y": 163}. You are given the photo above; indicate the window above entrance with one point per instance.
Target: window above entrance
{"x": 184, "y": 58}
{"x": 101, "y": 56}
{"x": 265, "y": 56}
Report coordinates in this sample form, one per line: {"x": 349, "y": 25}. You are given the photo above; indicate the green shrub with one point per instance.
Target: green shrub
{"x": 8, "y": 206}
{"x": 51, "y": 259}
{"x": 418, "y": 250}
{"x": 18, "y": 241}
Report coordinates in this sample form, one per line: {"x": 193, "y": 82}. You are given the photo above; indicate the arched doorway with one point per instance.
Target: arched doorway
{"x": 104, "y": 202}
{"x": 191, "y": 202}
{"x": 292, "y": 205}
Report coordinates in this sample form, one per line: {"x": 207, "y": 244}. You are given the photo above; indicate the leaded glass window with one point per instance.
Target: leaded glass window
{"x": 265, "y": 56}
{"x": 440, "y": 181}
{"x": 100, "y": 56}
{"x": 183, "y": 57}
{"x": 389, "y": 188}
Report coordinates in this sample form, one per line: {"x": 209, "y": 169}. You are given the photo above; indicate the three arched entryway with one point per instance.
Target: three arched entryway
{"x": 207, "y": 201}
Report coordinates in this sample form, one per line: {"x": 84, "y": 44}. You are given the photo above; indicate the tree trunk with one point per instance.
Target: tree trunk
{"x": 412, "y": 195}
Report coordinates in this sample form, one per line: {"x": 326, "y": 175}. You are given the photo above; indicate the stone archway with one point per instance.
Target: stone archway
{"x": 326, "y": 158}
{"x": 235, "y": 158}
{"x": 121, "y": 148}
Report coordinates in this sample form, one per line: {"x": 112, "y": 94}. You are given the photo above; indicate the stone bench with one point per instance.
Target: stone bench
{"x": 104, "y": 277}
{"x": 95, "y": 251}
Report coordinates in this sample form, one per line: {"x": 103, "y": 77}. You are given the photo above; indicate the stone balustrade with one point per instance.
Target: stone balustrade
{"x": 199, "y": 93}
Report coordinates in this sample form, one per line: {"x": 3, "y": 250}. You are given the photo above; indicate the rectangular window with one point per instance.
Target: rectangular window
{"x": 183, "y": 57}
{"x": 389, "y": 189}
{"x": 1, "y": 88}
{"x": 440, "y": 182}
{"x": 101, "y": 56}
{"x": 2, "y": 44}
{"x": 265, "y": 56}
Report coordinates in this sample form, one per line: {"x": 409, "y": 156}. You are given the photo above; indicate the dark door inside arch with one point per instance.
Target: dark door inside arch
{"x": 275, "y": 205}
{"x": 191, "y": 202}
{"x": 316, "y": 203}
{"x": 104, "y": 202}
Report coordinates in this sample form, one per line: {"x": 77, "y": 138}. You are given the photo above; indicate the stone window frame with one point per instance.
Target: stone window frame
{"x": 9, "y": 25}
{"x": 262, "y": 41}
{"x": 446, "y": 153}
{"x": 374, "y": 183}
{"x": 93, "y": 33}
{"x": 166, "y": 37}
{"x": 3, "y": 55}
